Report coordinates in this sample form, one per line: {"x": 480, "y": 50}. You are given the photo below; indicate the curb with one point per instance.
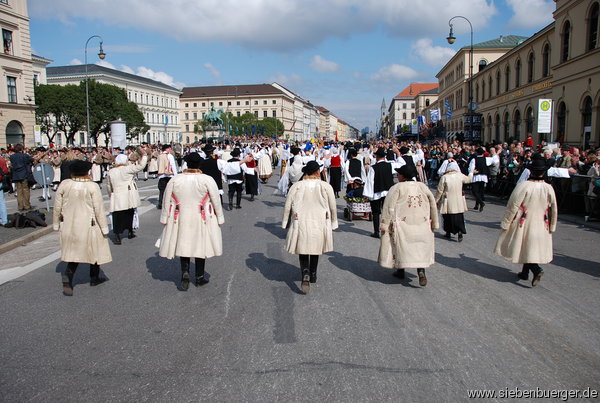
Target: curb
{"x": 24, "y": 240}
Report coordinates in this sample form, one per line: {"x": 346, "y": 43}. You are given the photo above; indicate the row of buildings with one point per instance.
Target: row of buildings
{"x": 510, "y": 75}
{"x": 171, "y": 113}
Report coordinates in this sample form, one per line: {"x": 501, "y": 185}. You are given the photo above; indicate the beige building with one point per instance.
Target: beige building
{"x": 158, "y": 102}
{"x": 17, "y": 103}
{"x": 402, "y": 109}
{"x": 262, "y": 100}
{"x": 561, "y": 62}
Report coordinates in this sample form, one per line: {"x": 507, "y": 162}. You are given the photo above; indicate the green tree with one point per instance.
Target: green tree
{"x": 60, "y": 109}
{"x": 273, "y": 127}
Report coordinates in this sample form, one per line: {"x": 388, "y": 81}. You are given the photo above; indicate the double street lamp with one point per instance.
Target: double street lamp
{"x": 451, "y": 39}
{"x": 101, "y": 55}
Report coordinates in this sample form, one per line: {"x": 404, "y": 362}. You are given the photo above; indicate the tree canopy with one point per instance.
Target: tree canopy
{"x": 246, "y": 124}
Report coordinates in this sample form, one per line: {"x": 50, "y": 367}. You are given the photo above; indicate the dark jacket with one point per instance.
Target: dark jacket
{"x": 20, "y": 165}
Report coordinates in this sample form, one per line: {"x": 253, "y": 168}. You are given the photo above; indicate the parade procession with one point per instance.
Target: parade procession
{"x": 246, "y": 244}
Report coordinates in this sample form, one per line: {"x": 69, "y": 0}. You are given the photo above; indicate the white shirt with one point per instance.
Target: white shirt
{"x": 173, "y": 164}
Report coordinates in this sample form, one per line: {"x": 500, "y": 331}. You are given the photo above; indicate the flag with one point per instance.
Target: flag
{"x": 253, "y": 129}
{"x": 435, "y": 115}
{"x": 422, "y": 120}
{"x": 448, "y": 109}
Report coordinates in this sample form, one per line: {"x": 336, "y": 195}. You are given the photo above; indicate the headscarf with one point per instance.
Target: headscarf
{"x": 121, "y": 159}
{"x": 452, "y": 166}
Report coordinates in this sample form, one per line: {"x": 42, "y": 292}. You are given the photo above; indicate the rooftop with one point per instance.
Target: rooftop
{"x": 509, "y": 41}
{"x": 230, "y": 91}
{"x": 79, "y": 70}
{"x": 416, "y": 88}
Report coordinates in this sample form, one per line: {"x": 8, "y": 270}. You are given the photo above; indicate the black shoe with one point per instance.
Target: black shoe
{"x": 460, "y": 237}
{"x": 523, "y": 276}
{"x": 200, "y": 281}
{"x": 313, "y": 276}
{"x": 305, "y": 286}
{"x": 117, "y": 239}
{"x": 399, "y": 273}
{"x": 422, "y": 278}
{"x": 230, "y": 206}
{"x": 131, "y": 235}
{"x": 97, "y": 281}
{"x": 251, "y": 197}
{"x": 448, "y": 236}
{"x": 41, "y": 198}
{"x": 481, "y": 207}
{"x": 158, "y": 207}
{"x": 67, "y": 285}
{"x": 185, "y": 281}
{"x": 375, "y": 235}
{"x": 537, "y": 278}
{"x": 238, "y": 206}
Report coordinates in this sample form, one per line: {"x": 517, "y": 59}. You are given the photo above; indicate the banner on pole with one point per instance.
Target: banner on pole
{"x": 544, "y": 116}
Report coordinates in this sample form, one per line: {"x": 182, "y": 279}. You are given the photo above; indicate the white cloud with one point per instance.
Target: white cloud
{"x": 434, "y": 56}
{"x": 214, "y": 72}
{"x": 141, "y": 71}
{"x": 126, "y": 69}
{"x": 283, "y": 25}
{"x": 286, "y": 80}
{"x": 393, "y": 73}
{"x": 106, "y": 64}
{"x": 531, "y": 13}
{"x": 322, "y": 65}
{"x": 75, "y": 61}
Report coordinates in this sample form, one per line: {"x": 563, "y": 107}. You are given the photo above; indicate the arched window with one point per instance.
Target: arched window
{"x": 507, "y": 79}
{"x": 482, "y": 128}
{"x": 482, "y": 64}
{"x": 566, "y": 40}
{"x": 561, "y": 120}
{"x": 529, "y": 120}
{"x": 587, "y": 112}
{"x": 518, "y": 74}
{"x": 530, "y": 63}
{"x": 427, "y": 102}
{"x": 517, "y": 123}
{"x": 477, "y": 92}
{"x": 593, "y": 27}
{"x": 498, "y": 77}
{"x": 490, "y": 81}
{"x": 546, "y": 61}
{"x": 506, "y": 126}
{"x": 404, "y": 116}
{"x": 497, "y": 128}
{"x": 483, "y": 89}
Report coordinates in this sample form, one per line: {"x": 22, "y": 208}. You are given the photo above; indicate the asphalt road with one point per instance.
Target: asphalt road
{"x": 249, "y": 335}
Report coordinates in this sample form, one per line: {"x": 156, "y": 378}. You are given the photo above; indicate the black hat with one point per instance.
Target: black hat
{"x": 193, "y": 160}
{"x": 165, "y": 147}
{"x": 404, "y": 150}
{"x": 80, "y": 167}
{"x": 537, "y": 167}
{"x": 208, "y": 149}
{"x": 380, "y": 152}
{"x": 406, "y": 171}
{"x": 236, "y": 152}
{"x": 295, "y": 150}
{"x": 480, "y": 151}
{"x": 311, "y": 167}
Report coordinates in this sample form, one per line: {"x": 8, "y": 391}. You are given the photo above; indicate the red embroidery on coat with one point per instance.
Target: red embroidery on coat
{"x": 546, "y": 219}
{"x": 176, "y": 213}
{"x": 523, "y": 215}
{"x": 203, "y": 208}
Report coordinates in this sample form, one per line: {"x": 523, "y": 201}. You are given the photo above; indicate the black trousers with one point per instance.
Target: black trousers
{"x": 309, "y": 262}
{"x": 534, "y": 267}
{"x": 162, "y": 185}
{"x": 478, "y": 189}
{"x": 185, "y": 265}
{"x": 122, "y": 220}
{"x": 235, "y": 188}
{"x": 376, "y": 206}
{"x": 72, "y": 267}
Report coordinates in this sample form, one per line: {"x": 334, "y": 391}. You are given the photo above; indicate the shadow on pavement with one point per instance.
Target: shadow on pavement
{"x": 579, "y": 265}
{"x": 280, "y": 204}
{"x": 165, "y": 269}
{"x": 274, "y": 228}
{"x": 492, "y": 225}
{"x": 474, "y": 266}
{"x": 367, "y": 269}
{"x": 344, "y": 226}
{"x": 275, "y": 270}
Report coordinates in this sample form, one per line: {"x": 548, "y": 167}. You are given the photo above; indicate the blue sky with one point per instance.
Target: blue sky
{"x": 345, "y": 55}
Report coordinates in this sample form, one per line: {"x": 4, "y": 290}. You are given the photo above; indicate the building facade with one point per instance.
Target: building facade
{"x": 561, "y": 63}
{"x": 402, "y": 109}
{"x": 158, "y": 102}
{"x": 17, "y": 103}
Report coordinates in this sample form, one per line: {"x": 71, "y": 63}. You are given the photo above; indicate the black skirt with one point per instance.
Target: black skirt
{"x": 122, "y": 220}
{"x": 335, "y": 178}
{"x": 251, "y": 184}
{"x": 454, "y": 223}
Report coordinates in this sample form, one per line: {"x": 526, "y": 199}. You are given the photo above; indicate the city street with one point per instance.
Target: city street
{"x": 250, "y": 335}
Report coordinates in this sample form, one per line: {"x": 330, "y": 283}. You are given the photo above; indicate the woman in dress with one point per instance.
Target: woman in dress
{"x": 193, "y": 200}
{"x": 79, "y": 216}
{"x": 310, "y": 216}
{"x": 124, "y": 195}
{"x": 450, "y": 200}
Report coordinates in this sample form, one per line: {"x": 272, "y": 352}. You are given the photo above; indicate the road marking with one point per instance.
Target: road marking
{"x": 228, "y": 295}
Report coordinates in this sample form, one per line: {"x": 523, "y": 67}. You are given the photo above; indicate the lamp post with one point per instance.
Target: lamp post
{"x": 101, "y": 55}
{"x": 451, "y": 39}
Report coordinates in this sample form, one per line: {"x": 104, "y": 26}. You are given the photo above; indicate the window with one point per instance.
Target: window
{"x": 529, "y": 120}
{"x": 238, "y": 113}
{"x": 146, "y": 99}
{"x": 196, "y": 105}
{"x": 135, "y": 96}
{"x": 255, "y": 102}
{"x": 482, "y": 64}
{"x": 498, "y": 76}
{"x": 490, "y": 81}
{"x": 4, "y": 1}
{"x": 211, "y": 104}
{"x": 36, "y": 80}
{"x": 228, "y": 103}
{"x": 153, "y": 118}
{"x": 220, "y": 103}
{"x": 482, "y": 89}
{"x": 517, "y": 131}
{"x": 506, "y": 126}
{"x": 427, "y": 102}
{"x": 237, "y": 103}
{"x": 566, "y": 39}
{"x": 187, "y": 116}
{"x": 265, "y": 114}
{"x": 546, "y": 61}
{"x": 530, "y": 63}
{"x": 412, "y": 115}
{"x": 195, "y": 115}
{"x": 186, "y": 104}
{"x": 7, "y": 41}
{"x": 187, "y": 128}
{"x": 256, "y": 113}
{"x": 497, "y": 128}
{"x": 404, "y": 116}
{"x": 593, "y": 27}
{"x": 561, "y": 119}
{"x": 274, "y": 114}
{"x": 265, "y": 102}
{"x": 587, "y": 112}
{"x": 412, "y": 105}
{"x": 274, "y": 102}
{"x": 11, "y": 83}
{"x": 507, "y": 79}
{"x": 518, "y": 74}
{"x": 404, "y": 106}
{"x": 129, "y": 96}
{"x": 477, "y": 92}
{"x": 247, "y": 102}
{"x": 203, "y": 114}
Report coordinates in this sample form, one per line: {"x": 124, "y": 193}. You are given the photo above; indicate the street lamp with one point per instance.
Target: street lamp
{"x": 451, "y": 39}
{"x": 101, "y": 55}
